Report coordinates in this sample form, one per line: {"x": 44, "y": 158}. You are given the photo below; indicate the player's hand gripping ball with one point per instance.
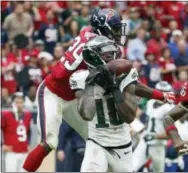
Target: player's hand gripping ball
{"x": 120, "y": 66}
{"x": 105, "y": 75}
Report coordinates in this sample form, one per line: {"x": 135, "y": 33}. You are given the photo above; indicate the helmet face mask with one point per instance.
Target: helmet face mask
{"x": 99, "y": 52}
{"x": 120, "y": 33}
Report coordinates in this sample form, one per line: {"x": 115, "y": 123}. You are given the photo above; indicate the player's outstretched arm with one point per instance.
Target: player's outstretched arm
{"x": 126, "y": 103}
{"x": 142, "y": 90}
{"x": 169, "y": 120}
{"x": 86, "y": 103}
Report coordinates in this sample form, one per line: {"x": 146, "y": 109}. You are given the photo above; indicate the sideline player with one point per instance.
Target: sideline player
{"x": 152, "y": 143}
{"x": 109, "y": 111}
{"x": 176, "y": 113}
{"x": 55, "y": 98}
{"x": 16, "y": 132}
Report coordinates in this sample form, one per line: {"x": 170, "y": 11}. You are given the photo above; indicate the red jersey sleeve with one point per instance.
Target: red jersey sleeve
{"x": 73, "y": 58}
{"x": 60, "y": 71}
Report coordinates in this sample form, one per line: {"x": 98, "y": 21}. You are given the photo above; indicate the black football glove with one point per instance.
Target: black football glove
{"x": 95, "y": 76}
{"x": 103, "y": 77}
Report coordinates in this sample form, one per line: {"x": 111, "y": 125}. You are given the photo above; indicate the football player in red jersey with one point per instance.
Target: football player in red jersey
{"x": 55, "y": 98}
{"x": 178, "y": 112}
{"x": 16, "y": 131}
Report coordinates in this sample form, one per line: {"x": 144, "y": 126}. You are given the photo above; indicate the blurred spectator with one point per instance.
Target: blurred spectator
{"x": 39, "y": 45}
{"x": 30, "y": 74}
{"x": 67, "y": 14}
{"x": 18, "y": 23}
{"x": 135, "y": 20}
{"x": 30, "y": 8}
{"x": 152, "y": 70}
{"x": 173, "y": 25}
{"x": 15, "y": 126}
{"x": 5, "y": 99}
{"x": 54, "y": 6}
{"x": 30, "y": 103}
{"x": 136, "y": 48}
{"x": 45, "y": 60}
{"x": 175, "y": 12}
{"x": 156, "y": 43}
{"x": 65, "y": 38}
{"x": 167, "y": 65}
{"x": 42, "y": 10}
{"x": 83, "y": 19}
{"x": 77, "y": 148}
{"x": 49, "y": 32}
{"x": 181, "y": 59}
{"x": 8, "y": 71}
{"x": 20, "y": 55}
{"x": 150, "y": 16}
{"x": 145, "y": 25}
{"x": 58, "y": 53}
{"x": 74, "y": 28}
{"x": 176, "y": 36}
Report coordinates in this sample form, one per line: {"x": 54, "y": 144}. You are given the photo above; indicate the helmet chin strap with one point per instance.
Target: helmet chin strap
{"x": 99, "y": 32}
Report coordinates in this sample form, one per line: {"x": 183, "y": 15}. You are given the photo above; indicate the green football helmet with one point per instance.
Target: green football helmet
{"x": 100, "y": 50}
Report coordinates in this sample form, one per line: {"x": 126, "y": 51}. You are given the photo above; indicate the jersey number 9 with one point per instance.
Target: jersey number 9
{"x": 21, "y": 132}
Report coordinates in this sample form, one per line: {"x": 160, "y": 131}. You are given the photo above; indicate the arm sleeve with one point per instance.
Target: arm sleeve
{"x": 59, "y": 72}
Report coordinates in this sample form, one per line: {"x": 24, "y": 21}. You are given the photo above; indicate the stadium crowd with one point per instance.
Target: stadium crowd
{"x": 35, "y": 35}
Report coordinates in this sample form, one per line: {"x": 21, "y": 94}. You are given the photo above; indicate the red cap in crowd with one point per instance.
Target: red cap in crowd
{"x": 34, "y": 53}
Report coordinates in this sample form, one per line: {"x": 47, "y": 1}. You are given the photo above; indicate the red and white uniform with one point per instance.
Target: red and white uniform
{"x": 54, "y": 97}
{"x": 15, "y": 134}
{"x": 183, "y": 96}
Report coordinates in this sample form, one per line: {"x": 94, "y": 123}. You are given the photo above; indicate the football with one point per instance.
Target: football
{"x": 120, "y": 66}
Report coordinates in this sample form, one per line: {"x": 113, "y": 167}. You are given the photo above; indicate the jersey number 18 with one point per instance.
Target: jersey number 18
{"x": 21, "y": 132}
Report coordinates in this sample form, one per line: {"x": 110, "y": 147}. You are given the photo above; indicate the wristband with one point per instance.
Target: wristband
{"x": 157, "y": 95}
{"x": 171, "y": 128}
